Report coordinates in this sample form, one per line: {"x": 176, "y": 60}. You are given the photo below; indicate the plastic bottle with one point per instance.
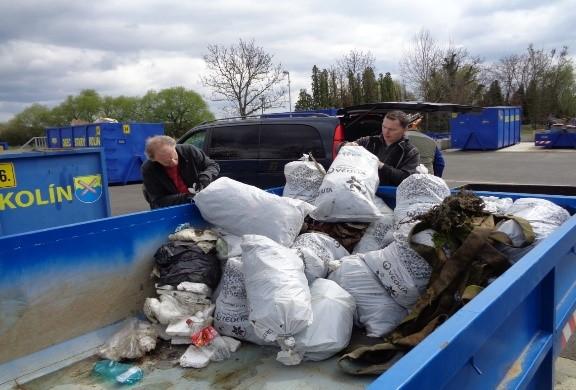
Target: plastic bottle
{"x": 120, "y": 372}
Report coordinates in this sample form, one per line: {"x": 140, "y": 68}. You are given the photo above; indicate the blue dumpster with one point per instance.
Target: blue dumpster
{"x": 45, "y": 189}
{"x": 555, "y": 139}
{"x": 491, "y": 129}
{"x": 123, "y": 145}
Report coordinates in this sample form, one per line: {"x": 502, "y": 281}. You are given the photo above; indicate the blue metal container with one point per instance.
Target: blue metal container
{"x": 556, "y": 139}
{"x": 3, "y": 145}
{"x": 44, "y": 189}
{"x": 123, "y": 145}
{"x": 508, "y": 335}
{"x": 491, "y": 129}
{"x": 53, "y": 138}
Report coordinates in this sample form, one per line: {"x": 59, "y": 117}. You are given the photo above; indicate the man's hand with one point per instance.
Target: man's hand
{"x": 351, "y": 144}
{"x": 380, "y": 164}
{"x": 196, "y": 188}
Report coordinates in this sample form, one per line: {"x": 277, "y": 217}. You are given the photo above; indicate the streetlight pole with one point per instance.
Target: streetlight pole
{"x": 289, "y": 95}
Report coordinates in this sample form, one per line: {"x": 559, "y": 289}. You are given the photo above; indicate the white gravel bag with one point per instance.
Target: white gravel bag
{"x": 277, "y": 290}
{"x": 331, "y": 329}
{"x": 316, "y": 251}
{"x": 232, "y": 310}
{"x": 543, "y": 215}
{"x": 416, "y": 195}
{"x": 303, "y": 179}
{"x": 402, "y": 271}
{"x": 241, "y": 209}
{"x": 374, "y": 237}
{"x": 375, "y": 308}
{"x": 348, "y": 190}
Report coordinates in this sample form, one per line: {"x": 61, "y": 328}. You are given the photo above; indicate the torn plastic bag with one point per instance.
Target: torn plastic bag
{"x": 316, "y": 250}
{"x": 495, "y": 205}
{"x": 348, "y": 190}
{"x": 131, "y": 342}
{"x": 241, "y": 209}
{"x": 277, "y": 290}
{"x": 330, "y": 332}
{"x": 401, "y": 270}
{"x": 375, "y": 308}
{"x": 184, "y": 261}
{"x": 303, "y": 179}
{"x": 167, "y": 308}
{"x": 228, "y": 245}
{"x": 204, "y": 238}
{"x": 232, "y": 310}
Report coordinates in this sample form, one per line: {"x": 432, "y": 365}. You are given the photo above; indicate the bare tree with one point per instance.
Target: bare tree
{"x": 422, "y": 59}
{"x": 244, "y": 75}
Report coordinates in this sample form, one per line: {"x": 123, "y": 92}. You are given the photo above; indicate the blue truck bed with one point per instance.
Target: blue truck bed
{"x": 64, "y": 291}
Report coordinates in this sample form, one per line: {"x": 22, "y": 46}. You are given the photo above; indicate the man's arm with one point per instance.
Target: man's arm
{"x": 438, "y": 163}
{"x": 208, "y": 169}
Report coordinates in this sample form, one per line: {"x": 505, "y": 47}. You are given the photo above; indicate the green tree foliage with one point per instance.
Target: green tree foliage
{"x": 369, "y": 86}
{"x": 179, "y": 109}
{"x": 493, "y": 97}
{"x": 29, "y": 123}
{"x": 121, "y": 108}
{"x": 388, "y": 90}
{"x": 305, "y": 101}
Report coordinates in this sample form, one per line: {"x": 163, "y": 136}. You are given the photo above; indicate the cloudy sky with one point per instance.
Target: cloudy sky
{"x": 52, "y": 49}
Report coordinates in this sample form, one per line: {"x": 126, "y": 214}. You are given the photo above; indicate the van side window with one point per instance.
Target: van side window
{"x": 234, "y": 143}
{"x": 196, "y": 139}
{"x": 289, "y": 142}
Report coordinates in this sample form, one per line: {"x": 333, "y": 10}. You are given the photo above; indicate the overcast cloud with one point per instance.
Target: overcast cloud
{"x": 52, "y": 49}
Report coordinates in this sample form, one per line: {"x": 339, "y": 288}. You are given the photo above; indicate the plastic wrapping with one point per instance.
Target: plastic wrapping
{"x": 131, "y": 342}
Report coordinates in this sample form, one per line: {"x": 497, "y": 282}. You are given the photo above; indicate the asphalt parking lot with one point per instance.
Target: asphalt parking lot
{"x": 522, "y": 164}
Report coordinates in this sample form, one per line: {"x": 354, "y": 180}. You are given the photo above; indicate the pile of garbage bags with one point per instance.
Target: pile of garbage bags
{"x": 300, "y": 271}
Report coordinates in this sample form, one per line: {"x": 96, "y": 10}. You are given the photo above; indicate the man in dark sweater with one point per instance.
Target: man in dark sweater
{"x": 173, "y": 174}
{"x": 398, "y": 157}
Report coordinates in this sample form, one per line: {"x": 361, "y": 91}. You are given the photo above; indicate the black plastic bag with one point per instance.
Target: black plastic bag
{"x": 184, "y": 261}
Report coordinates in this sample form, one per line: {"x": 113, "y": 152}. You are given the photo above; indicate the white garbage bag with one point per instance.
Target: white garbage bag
{"x": 330, "y": 332}
{"x": 348, "y": 190}
{"x": 169, "y": 308}
{"x": 375, "y": 308}
{"x": 317, "y": 250}
{"x": 402, "y": 271}
{"x": 303, "y": 179}
{"x": 232, "y": 310}
{"x": 377, "y": 235}
{"x": 277, "y": 290}
{"x": 543, "y": 215}
{"x": 242, "y": 209}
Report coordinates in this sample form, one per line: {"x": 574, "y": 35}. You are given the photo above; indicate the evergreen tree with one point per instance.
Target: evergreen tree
{"x": 305, "y": 101}
{"x": 316, "y": 86}
{"x": 369, "y": 86}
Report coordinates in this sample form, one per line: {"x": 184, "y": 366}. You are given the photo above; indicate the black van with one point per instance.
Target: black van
{"x": 254, "y": 150}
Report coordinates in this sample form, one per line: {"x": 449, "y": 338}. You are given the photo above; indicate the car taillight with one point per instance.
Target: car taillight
{"x": 338, "y": 139}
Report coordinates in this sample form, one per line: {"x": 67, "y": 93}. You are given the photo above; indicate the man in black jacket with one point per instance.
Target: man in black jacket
{"x": 398, "y": 157}
{"x": 173, "y": 174}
